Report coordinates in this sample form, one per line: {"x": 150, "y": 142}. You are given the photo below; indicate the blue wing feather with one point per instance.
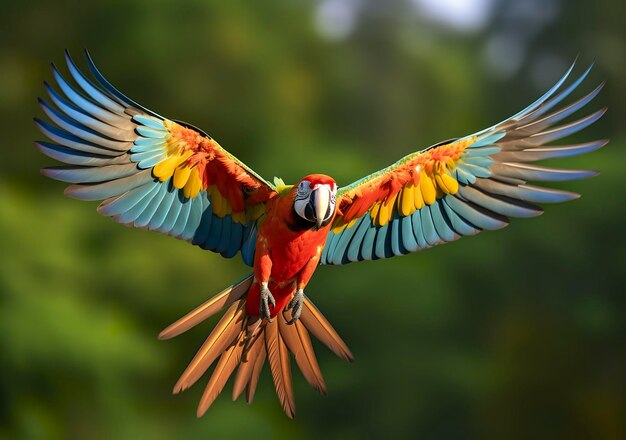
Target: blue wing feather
{"x": 397, "y": 248}
{"x": 367, "y": 249}
{"x": 214, "y": 234}
{"x": 380, "y": 247}
{"x": 195, "y": 215}
{"x": 183, "y": 216}
{"x": 249, "y": 245}
{"x": 408, "y": 236}
{"x": 234, "y": 241}
{"x": 74, "y": 157}
{"x": 69, "y": 140}
{"x": 111, "y": 144}
{"x": 144, "y": 219}
{"x": 162, "y": 211}
{"x": 227, "y": 227}
{"x": 443, "y": 228}
{"x": 354, "y": 249}
{"x": 130, "y": 215}
{"x": 80, "y": 101}
{"x": 90, "y": 89}
{"x": 493, "y": 174}
{"x": 204, "y": 229}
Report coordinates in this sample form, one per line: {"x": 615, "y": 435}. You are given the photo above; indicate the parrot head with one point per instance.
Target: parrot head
{"x": 315, "y": 199}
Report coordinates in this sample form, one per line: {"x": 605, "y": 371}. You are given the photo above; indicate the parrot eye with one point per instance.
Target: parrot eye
{"x": 304, "y": 189}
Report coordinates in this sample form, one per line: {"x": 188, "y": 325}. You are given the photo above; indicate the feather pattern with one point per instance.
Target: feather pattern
{"x": 315, "y": 322}
{"x": 149, "y": 172}
{"x": 243, "y": 344}
{"x": 256, "y": 372}
{"x": 298, "y": 342}
{"x": 460, "y": 187}
{"x": 204, "y": 311}
{"x": 221, "y": 337}
{"x": 278, "y": 357}
{"x": 246, "y": 367}
{"x": 165, "y": 175}
{"x": 223, "y": 370}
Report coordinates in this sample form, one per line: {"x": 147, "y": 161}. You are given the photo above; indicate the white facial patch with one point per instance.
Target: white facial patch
{"x": 317, "y": 201}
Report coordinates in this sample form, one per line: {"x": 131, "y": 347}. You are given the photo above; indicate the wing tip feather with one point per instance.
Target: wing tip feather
{"x": 592, "y": 173}
{"x": 51, "y": 172}
{"x": 41, "y": 148}
{"x": 72, "y": 191}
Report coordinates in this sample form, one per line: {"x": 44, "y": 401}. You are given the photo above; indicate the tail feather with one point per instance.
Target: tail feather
{"x": 224, "y": 368}
{"x": 246, "y": 367}
{"x": 220, "y": 301}
{"x": 315, "y": 322}
{"x": 297, "y": 339}
{"x": 244, "y": 343}
{"x": 220, "y": 338}
{"x": 256, "y": 372}
{"x": 280, "y": 366}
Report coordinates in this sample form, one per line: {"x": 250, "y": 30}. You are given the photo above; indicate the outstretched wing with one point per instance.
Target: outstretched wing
{"x": 151, "y": 172}
{"x": 461, "y": 187}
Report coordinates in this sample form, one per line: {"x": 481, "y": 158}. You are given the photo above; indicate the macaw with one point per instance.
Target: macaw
{"x": 165, "y": 175}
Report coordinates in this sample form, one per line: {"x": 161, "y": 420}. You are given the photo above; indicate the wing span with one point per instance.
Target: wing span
{"x": 461, "y": 187}
{"x": 151, "y": 172}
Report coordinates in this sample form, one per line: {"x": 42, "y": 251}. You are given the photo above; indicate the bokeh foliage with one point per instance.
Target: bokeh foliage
{"x": 513, "y": 334}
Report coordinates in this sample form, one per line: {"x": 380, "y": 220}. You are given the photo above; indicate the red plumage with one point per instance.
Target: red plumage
{"x": 157, "y": 174}
{"x": 287, "y": 253}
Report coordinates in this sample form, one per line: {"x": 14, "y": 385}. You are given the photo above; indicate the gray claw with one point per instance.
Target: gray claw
{"x": 295, "y": 305}
{"x": 266, "y": 299}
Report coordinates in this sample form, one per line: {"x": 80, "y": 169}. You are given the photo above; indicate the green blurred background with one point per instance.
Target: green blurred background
{"x": 513, "y": 334}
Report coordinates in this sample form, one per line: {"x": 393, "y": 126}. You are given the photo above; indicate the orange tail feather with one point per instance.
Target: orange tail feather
{"x": 243, "y": 343}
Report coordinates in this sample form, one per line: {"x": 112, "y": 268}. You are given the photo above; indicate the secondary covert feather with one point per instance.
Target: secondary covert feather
{"x": 160, "y": 174}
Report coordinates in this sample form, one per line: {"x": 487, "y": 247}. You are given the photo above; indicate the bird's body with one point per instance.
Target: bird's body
{"x": 159, "y": 174}
{"x": 288, "y": 250}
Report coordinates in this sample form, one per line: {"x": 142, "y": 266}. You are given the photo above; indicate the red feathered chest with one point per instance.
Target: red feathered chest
{"x": 291, "y": 241}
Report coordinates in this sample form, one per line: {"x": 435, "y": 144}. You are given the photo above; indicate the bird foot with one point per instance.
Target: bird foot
{"x": 295, "y": 305}
{"x": 266, "y": 299}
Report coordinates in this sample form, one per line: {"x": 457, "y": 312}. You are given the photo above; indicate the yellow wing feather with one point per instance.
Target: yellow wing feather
{"x": 418, "y": 180}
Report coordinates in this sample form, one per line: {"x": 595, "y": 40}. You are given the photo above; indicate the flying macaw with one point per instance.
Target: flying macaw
{"x": 168, "y": 176}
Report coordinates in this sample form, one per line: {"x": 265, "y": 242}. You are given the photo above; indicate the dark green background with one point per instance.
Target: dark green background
{"x": 514, "y": 334}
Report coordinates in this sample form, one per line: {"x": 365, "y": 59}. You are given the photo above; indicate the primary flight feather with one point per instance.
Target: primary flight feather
{"x": 160, "y": 174}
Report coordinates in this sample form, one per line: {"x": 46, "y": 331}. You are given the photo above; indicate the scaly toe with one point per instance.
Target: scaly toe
{"x": 295, "y": 305}
{"x": 266, "y": 298}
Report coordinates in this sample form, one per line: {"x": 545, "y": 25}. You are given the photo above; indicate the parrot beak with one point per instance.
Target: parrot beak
{"x": 320, "y": 199}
